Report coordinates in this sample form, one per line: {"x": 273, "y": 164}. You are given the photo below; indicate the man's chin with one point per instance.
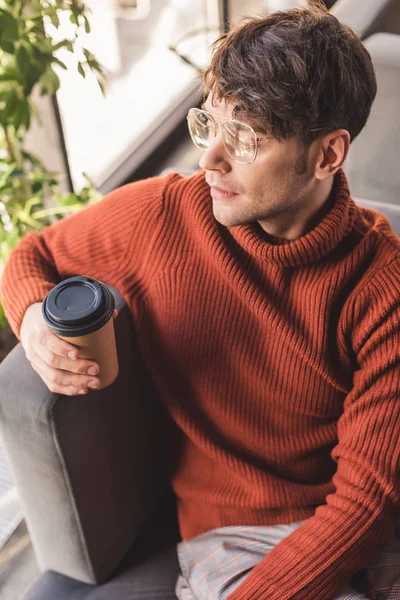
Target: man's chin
{"x": 226, "y": 220}
{"x": 229, "y": 218}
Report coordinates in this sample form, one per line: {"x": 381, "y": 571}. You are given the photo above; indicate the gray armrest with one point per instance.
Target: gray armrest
{"x": 89, "y": 470}
{"x": 390, "y": 211}
{"x": 369, "y": 16}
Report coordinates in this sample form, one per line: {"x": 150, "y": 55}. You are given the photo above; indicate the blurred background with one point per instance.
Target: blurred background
{"x": 152, "y": 51}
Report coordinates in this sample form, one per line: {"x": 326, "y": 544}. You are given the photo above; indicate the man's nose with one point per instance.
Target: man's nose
{"x": 215, "y": 157}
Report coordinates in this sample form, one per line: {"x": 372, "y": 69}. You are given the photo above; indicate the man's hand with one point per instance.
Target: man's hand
{"x": 56, "y": 361}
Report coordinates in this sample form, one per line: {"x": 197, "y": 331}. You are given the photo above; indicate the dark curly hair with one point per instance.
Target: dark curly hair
{"x": 293, "y": 71}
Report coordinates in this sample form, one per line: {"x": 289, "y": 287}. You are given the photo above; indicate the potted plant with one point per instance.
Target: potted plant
{"x": 30, "y": 195}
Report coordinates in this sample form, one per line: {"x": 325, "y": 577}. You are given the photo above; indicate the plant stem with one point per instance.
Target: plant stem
{"x": 10, "y": 148}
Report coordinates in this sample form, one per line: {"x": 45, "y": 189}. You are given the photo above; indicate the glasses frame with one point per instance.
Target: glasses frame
{"x": 225, "y": 119}
{"x": 215, "y": 122}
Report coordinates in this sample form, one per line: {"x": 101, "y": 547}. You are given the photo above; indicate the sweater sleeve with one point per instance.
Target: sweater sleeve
{"x": 343, "y": 535}
{"x": 110, "y": 241}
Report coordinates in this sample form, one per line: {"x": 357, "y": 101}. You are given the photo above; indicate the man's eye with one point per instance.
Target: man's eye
{"x": 203, "y": 118}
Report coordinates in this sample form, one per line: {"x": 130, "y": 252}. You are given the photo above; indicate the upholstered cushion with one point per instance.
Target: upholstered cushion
{"x": 391, "y": 211}
{"x": 148, "y": 572}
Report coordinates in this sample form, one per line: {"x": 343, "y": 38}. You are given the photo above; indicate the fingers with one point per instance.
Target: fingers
{"x": 63, "y": 382}
{"x": 46, "y": 342}
{"x": 49, "y": 358}
{"x": 55, "y": 353}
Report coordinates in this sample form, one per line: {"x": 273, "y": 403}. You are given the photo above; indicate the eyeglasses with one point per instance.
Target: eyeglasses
{"x": 239, "y": 139}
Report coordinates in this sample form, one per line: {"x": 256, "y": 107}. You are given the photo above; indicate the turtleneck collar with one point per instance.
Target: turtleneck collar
{"x": 312, "y": 246}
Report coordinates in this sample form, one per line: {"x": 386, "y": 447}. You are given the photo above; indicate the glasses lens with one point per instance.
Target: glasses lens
{"x": 240, "y": 141}
{"x": 201, "y": 128}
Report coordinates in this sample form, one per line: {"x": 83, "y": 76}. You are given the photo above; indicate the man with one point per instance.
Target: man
{"x": 266, "y": 305}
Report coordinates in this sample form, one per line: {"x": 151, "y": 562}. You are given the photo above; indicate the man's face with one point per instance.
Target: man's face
{"x": 272, "y": 190}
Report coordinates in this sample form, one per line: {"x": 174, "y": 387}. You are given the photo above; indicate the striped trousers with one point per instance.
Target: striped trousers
{"x": 216, "y": 563}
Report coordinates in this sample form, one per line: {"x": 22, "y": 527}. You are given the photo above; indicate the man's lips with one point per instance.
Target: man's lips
{"x": 222, "y": 193}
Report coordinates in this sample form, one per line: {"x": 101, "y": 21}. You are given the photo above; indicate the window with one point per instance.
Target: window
{"x": 150, "y": 86}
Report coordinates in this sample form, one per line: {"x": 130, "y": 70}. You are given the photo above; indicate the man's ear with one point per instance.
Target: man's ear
{"x": 332, "y": 152}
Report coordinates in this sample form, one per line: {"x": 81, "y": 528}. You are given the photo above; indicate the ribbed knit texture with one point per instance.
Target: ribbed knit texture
{"x": 279, "y": 361}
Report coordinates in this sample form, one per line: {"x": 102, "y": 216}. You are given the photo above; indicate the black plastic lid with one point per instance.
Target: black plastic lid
{"x": 78, "y": 306}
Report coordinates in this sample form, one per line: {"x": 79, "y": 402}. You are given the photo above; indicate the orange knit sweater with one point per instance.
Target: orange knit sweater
{"x": 278, "y": 360}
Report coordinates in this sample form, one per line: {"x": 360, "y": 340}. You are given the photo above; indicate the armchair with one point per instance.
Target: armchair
{"x": 368, "y": 17}
{"x": 91, "y": 475}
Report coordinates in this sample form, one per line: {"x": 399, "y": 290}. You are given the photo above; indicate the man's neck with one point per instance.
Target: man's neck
{"x": 317, "y": 202}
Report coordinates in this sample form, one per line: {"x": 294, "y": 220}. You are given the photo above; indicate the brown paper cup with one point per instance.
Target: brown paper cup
{"x": 79, "y": 310}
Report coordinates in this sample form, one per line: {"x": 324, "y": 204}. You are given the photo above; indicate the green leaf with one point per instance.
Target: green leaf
{"x": 61, "y": 64}
{"x": 42, "y": 175}
{"x": 27, "y": 57}
{"x": 5, "y": 176}
{"x": 68, "y": 200}
{"x": 3, "y": 318}
{"x": 8, "y": 26}
{"x": 49, "y": 82}
{"x": 69, "y": 46}
{"x": 9, "y": 76}
{"x": 11, "y": 104}
{"x": 26, "y": 115}
{"x": 74, "y": 19}
{"x": 31, "y": 63}
{"x": 32, "y": 202}
{"x": 37, "y": 186}
{"x": 55, "y": 20}
{"x": 77, "y": 8}
{"x": 12, "y": 172}
{"x": 7, "y": 88}
{"x": 7, "y": 188}
{"x": 26, "y": 218}
{"x": 102, "y": 87}
{"x": 57, "y": 210}
{"x": 7, "y": 46}
{"x": 45, "y": 46}
{"x": 81, "y": 71}
{"x": 21, "y": 115}
{"x": 22, "y": 59}
{"x": 87, "y": 25}
{"x": 63, "y": 44}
